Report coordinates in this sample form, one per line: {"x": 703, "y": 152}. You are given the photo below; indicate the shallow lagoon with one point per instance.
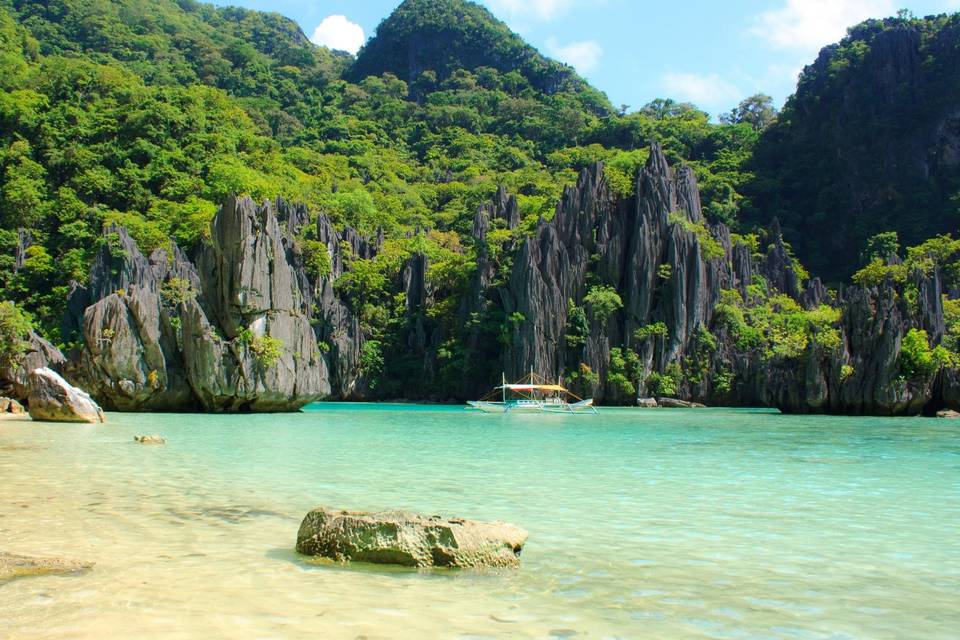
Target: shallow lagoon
{"x": 643, "y": 523}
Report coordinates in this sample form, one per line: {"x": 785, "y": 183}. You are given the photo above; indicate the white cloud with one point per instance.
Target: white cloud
{"x": 584, "y": 56}
{"x": 336, "y": 32}
{"x": 704, "y": 90}
{"x": 808, "y": 25}
{"x": 537, "y": 9}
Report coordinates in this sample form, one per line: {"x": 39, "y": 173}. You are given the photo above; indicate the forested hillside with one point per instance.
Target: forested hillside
{"x": 869, "y": 143}
{"x": 430, "y": 169}
{"x": 149, "y": 112}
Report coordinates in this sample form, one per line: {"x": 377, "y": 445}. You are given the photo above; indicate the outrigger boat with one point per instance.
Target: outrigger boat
{"x": 532, "y": 394}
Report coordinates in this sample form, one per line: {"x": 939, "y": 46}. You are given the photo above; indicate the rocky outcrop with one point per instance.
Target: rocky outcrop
{"x": 11, "y": 406}
{"x": 669, "y": 270}
{"x": 482, "y": 302}
{"x": 14, "y": 374}
{"x": 648, "y": 248}
{"x": 254, "y": 301}
{"x": 160, "y": 334}
{"x": 53, "y": 399}
{"x": 337, "y": 322}
{"x": 18, "y": 566}
{"x": 611, "y": 295}
{"x": 132, "y": 360}
{"x": 408, "y": 539}
{"x": 863, "y": 375}
{"x": 673, "y": 403}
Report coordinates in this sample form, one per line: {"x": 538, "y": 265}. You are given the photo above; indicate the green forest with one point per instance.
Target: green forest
{"x": 148, "y": 113}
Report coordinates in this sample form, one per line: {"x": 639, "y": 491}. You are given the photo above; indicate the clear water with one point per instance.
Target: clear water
{"x": 643, "y": 524}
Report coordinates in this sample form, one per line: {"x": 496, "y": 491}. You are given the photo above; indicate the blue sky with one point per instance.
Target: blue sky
{"x": 710, "y": 52}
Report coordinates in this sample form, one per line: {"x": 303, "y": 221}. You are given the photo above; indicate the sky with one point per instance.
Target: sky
{"x": 709, "y": 52}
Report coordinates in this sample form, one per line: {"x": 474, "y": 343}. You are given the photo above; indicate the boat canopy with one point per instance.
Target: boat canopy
{"x": 532, "y": 387}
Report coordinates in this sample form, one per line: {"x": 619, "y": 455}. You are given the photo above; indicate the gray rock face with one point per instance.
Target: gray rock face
{"x": 24, "y": 242}
{"x": 17, "y": 566}
{"x": 408, "y": 539}
{"x": 159, "y": 336}
{"x": 131, "y": 359}
{"x": 638, "y": 247}
{"x": 14, "y": 376}
{"x": 339, "y": 325}
{"x": 482, "y": 358}
{"x": 254, "y": 298}
{"x": 53, "y": 399}
{"x": 651, "y": 249}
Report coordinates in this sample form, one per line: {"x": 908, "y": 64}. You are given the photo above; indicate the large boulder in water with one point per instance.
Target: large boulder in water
{"x": 53, "y": 399}
{"x": 409, "y": 539}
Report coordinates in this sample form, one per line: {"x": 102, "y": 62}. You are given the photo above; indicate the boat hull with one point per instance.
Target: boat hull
{"x": 532, "y": 406}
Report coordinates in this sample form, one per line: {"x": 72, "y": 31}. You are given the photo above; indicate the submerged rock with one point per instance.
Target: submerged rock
{"x": 153, "y": 439}
{"x": 17, "y": 566}
{"x": 409, "y": 539}
{"x": 53, "y": 399}
{"x": 673, "y": 403}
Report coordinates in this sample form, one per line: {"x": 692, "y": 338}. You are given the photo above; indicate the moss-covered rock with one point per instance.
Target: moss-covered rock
{"x": 17, "y": 566}
{"x": 409, "y": 539}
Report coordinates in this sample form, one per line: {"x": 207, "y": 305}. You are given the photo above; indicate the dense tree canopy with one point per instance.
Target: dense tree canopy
{"x": 148, "y": 112}
{"x": 869, "y": 143}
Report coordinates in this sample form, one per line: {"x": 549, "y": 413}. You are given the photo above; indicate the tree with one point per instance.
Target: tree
{"x": 880, "y": 247}
{"x": 15, "y": 328}
{"x": 757, "y": 111}
{"x": 664, "y": 108}
{"x": 604, "y": 302}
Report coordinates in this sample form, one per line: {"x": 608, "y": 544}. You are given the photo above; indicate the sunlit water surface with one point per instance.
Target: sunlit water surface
{"x": 643, "y": 524}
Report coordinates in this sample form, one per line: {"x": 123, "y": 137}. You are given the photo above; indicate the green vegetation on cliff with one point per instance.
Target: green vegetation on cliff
{"x": 148, "y": 113}
{"x": 869, "y": 143}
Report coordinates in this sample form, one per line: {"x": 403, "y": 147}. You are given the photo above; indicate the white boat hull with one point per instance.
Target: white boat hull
{"x": 533, "y": 406}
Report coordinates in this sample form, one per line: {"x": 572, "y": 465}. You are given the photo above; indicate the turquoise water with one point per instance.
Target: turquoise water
{"x": 643, "y": 524}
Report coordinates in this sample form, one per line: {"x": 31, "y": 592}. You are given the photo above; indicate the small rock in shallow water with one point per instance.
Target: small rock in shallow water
{"x": 948, "y": 413}
{"x": 149, "y": 439}
{"x": 17, "y": 566}
{"x": 647, "y": 403}
{"x": 673, "y": 403}
{"x": 9, "y": 405}
{"x": 409, "y": 539}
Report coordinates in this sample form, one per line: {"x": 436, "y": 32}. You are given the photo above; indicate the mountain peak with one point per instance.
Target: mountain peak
{"x": 444, "y": 36}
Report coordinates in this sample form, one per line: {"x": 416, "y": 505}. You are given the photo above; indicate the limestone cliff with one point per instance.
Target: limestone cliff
{"x": 670, "y": 271}
{"x": 158, "y": 333}
{"x": 621, "y": 297}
